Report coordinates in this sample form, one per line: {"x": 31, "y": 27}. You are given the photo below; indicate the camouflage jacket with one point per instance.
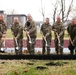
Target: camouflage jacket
{"x": 72, "y": 31}
{"x": 3, "y": 26}
{"x": 59, "y": 28}
{"x": 17, "y": 30}
{"x": 46, "y": 30}
{"x": 31, "y": 28}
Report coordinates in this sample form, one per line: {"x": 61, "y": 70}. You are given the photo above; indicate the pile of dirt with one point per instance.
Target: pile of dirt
{"x": 41, "y": 67}
{"x": 56, "y": 63}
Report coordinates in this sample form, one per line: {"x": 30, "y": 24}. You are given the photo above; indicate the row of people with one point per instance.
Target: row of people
{"x": 46, "y": 31}
{"x": 31, "y": 34}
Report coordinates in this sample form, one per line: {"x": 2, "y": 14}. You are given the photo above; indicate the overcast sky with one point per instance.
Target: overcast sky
{"x": 30, "y": 6}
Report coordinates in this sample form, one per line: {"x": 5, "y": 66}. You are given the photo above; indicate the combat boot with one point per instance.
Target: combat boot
{"x": 43, "y": 50}
{"x": 75, "y": 51}
{"x": 57, "y": 51}
{"x": 32, "y": 52}
{"x": 71, "y": 52}
{"x": 48, "y": 50}
{"x": 61, "y": 51}
{"x": 16, "y": 51}
{"x": 20, "y": 51}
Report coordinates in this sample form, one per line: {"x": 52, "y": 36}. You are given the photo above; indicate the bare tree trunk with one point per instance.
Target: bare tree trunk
{"x": 13, "y": 11}
{"x": 63, "y": 9}
{"x": 69, "y": 10}
{"x": 10, "y": 19}
{"x": 55, "y": 10}
{"x": 42, "y": 11}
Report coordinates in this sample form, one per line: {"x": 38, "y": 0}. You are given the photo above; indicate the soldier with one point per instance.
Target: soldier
{"x": 3, "y": 29}
{"x": 31, "y": 31}
{"x": 46, "y": 32}
{"x": 17, "y": 32}
{"x": 72, "y": 33}
{"x": 58, "y": 29}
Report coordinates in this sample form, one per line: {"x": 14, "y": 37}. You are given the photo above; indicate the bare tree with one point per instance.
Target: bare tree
{"x": 64, "y": 13}
{"x": 55, "y": 11}
{"x": 42, "y": 11}
{"x": 10, "y": 18}
{"x": 69, "y": 9}
{"x": 74, "y": 12}
{"x": 12, "y": 12}
{"x": 63, "y": 9}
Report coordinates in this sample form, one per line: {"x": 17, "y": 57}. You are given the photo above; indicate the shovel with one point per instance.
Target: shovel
{"x": 16, "y": 44}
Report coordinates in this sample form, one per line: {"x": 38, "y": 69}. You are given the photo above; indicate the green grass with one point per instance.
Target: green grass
{"x": 9, "y": 67}
{"x": 9, "y": 34}
{"x": 39, "y": 36}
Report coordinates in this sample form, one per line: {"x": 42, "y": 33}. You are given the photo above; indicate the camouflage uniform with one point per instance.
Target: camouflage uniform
{"x": 72, "y": 32}
{"x": 59, "y": 29}
{"x": 46, "y": 31}
{"x": 17, "y": 31}
{"x": 32, "y": 29}
{"x": 3, "y": 28}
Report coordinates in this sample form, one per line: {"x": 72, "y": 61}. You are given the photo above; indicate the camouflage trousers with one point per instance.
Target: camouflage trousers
{"x": 31, "y": 46}
{"x": 0, "y": 43}
{"x": 72, "y": 51}
{"x": 44, "y": 47}
{"x": 72, "y": 48}
{"x": 59, "y": 49}
{"x": 20, "y": 46}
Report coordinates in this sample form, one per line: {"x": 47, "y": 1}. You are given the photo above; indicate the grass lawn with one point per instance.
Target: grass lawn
{"x": 32, "y": 67}
{"x": 39, "y": 36}
{"x": 9, "y": 34}
{"x": 37, "y": 67}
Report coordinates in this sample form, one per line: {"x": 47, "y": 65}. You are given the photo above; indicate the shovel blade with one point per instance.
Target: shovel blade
{"x": 1, "y": 49}
{"x": 46, "y": 45}
{"x": 30, "y": 42}
{"x": 17, "y": 48}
